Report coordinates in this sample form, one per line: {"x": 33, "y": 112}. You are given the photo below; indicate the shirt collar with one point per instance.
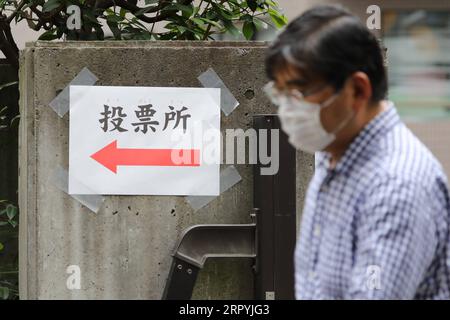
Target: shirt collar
{"x": 375, "y": 129}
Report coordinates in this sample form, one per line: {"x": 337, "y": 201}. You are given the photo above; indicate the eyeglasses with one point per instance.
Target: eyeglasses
{"x": 277, "y": 96}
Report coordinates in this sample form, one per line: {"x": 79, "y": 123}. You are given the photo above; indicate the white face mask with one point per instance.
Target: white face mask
{"x": 300, "y": 120}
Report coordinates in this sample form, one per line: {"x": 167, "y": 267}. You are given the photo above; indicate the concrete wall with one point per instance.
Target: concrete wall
{"x": 124, "y": 250}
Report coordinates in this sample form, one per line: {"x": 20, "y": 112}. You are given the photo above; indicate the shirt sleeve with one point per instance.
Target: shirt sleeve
{"x": 395, "y": 240}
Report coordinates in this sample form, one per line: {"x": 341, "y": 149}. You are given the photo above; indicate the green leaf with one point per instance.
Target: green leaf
{"x": 11, "y": 211}
{"x": 211, "y": 14}
{"x": 4, "y": 293}
{"x": 260, "y": 24}
{"x": 100, "y": 35}
{"x": 3, "y": 86}
{"x": 231, "y": 28}
{"x": 59, "y": 32}
{"x": 248, "y": 29}
{"x": 222, "y": 11}
{"x": 1, "y": 246}
{"x": 236, "y": 2}
{"x": 278, "y": 18}
{"x": 198, "y": 21}
{"x": 3, "y": 223}
{"x": 13, "y": 223}
{"x": 89, "y": 16}
{"x": 48, "y": 35}
{"x": 50, "y": 5}
{"x": 122, "y": 13}
{"x": 246, "y": 17}
{"x": 186, "y": 10}
{"x": 252, "y": 4}
{"x": 196, "y": 10}
{"x": 136, "y": 22}
{"x": 114, "y": 29}
{"x": 113, "y": 18}
{"x": 14, "y": 120}
{"x": 143, "y": 11}
{"x": 146, "y": 36}
{"x": 214, "y": 23}
{"x": 181, "y": 29}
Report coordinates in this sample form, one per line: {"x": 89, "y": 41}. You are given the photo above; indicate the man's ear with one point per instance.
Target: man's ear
{"x": 362, "y": 88}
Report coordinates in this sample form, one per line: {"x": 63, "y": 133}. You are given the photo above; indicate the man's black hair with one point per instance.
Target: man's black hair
{"x": 331, "y": 43}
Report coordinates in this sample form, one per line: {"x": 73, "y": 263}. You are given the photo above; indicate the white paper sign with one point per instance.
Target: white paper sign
{"x": 144, "y": 140}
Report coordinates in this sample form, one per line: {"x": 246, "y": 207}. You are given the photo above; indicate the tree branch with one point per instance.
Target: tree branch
{"x": 159, "y": 17}
{"x": 134, "y": 8}
{"x": 7, "y": 44}
{"x": 13, "y": 15}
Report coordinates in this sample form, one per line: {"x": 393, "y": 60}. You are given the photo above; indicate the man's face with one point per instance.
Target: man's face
{"x": 318, "y": 91}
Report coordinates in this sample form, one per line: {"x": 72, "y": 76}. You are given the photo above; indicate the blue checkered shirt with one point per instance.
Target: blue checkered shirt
{"x": 377, "y": 225}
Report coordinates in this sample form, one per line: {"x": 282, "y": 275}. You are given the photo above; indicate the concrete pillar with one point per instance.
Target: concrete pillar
{"x": 124, "y": 250}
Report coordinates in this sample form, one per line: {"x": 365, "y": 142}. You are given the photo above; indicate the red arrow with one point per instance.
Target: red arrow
{"x": 111, "y": 157}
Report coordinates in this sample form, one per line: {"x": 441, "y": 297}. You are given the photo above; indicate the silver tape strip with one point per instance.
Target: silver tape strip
{"x": 61, "y": 104}
{"x": 228, "y": 178}
{"x": 61, "y": 180}
{"x": 210, "y": 79}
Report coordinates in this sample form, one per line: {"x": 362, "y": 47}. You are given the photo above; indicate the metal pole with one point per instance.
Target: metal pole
{"x": 275, "y": 197}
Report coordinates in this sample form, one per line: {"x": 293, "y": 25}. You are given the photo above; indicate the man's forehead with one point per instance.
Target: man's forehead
{"x": 297, "y": 82}
{"x": 291, "y": 76}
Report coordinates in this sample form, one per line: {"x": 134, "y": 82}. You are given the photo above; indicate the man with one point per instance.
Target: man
{"x": 375, "y": 223}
